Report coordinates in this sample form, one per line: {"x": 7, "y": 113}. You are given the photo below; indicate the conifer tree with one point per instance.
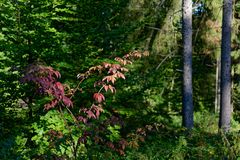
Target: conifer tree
{"x": 187, "y": 64}
{"x": 225, "y": 103}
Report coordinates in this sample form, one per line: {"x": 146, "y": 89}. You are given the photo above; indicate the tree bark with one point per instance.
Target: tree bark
{"x": 225, "y": 104}
{"x": 187, "y": 65}
{"x": 218, "y": 83}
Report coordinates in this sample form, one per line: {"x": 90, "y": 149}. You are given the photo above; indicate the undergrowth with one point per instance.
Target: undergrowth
{"x": 170, "y": 142}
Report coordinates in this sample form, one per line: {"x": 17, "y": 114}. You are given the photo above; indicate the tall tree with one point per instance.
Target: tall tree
{"x": 187, "y": 64}
{"x": 225, "y": 104}
{"x": 215, "y": 33}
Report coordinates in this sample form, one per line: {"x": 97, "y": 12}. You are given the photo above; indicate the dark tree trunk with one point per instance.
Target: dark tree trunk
{"x": 225, "y": 104}
{"x": 187, "y": 65}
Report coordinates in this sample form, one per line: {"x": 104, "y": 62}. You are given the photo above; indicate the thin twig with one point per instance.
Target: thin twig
{"x": 101, "y": 89}
{"x": 163, "y": 60}
{"x": 73, "y": 117}
{"x": 68, "y": 127}
{"x": 75, "y": 90}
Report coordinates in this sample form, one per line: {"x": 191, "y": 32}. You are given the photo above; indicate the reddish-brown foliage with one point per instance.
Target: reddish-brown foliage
{"x": 45, "y": 79}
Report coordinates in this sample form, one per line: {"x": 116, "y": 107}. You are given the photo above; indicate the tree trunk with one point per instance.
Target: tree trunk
{"x": 187, "y": 65}
{"x": 225, "y": 104}
{"x": 218, "y": 83}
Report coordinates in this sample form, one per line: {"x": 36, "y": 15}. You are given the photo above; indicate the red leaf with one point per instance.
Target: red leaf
{"x": 57, "y": 74}
{"x": 136, "y": 54}
{"x": 123, "y": 143}
{"x": 126, "y": 56}
{"x": 51, "y": 104}
{"x": 120, "y": 75}
{"x": 67, "y": 101}
{"x": 116, "y": 66}
{"x": 97, "y": 113}
{"x": 120, "y": 60}
{"x": 98, "y": 97}
{"x": 112, "y": 70}
{"x": 99, "y": 68}
{"x": 109, "y": 87}
{"x": 121, "y": 152}
{"x": 124, "y": 69}
{"x": 112, "y": 88}
{"x": 128, "y": 62}
{"x": 106, "y": 65}
{"x": 59, "y": 86}
{"x": 97, "y": 110}
{"x": 105, "y": 87}
{"x": 90, "y": 114}
{"x": 110, "y": 78}
{"x": 82, "y": 119}
{"x": 110, "y": 145}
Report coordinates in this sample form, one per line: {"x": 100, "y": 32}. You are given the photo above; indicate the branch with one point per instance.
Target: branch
{"x": 164, "y": 60}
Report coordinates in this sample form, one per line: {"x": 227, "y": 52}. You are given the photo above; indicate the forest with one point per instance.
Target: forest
{"x": 119, "y": 79}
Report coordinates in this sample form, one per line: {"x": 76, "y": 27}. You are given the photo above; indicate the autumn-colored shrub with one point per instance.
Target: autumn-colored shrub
{"x": 84, "y": 126}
